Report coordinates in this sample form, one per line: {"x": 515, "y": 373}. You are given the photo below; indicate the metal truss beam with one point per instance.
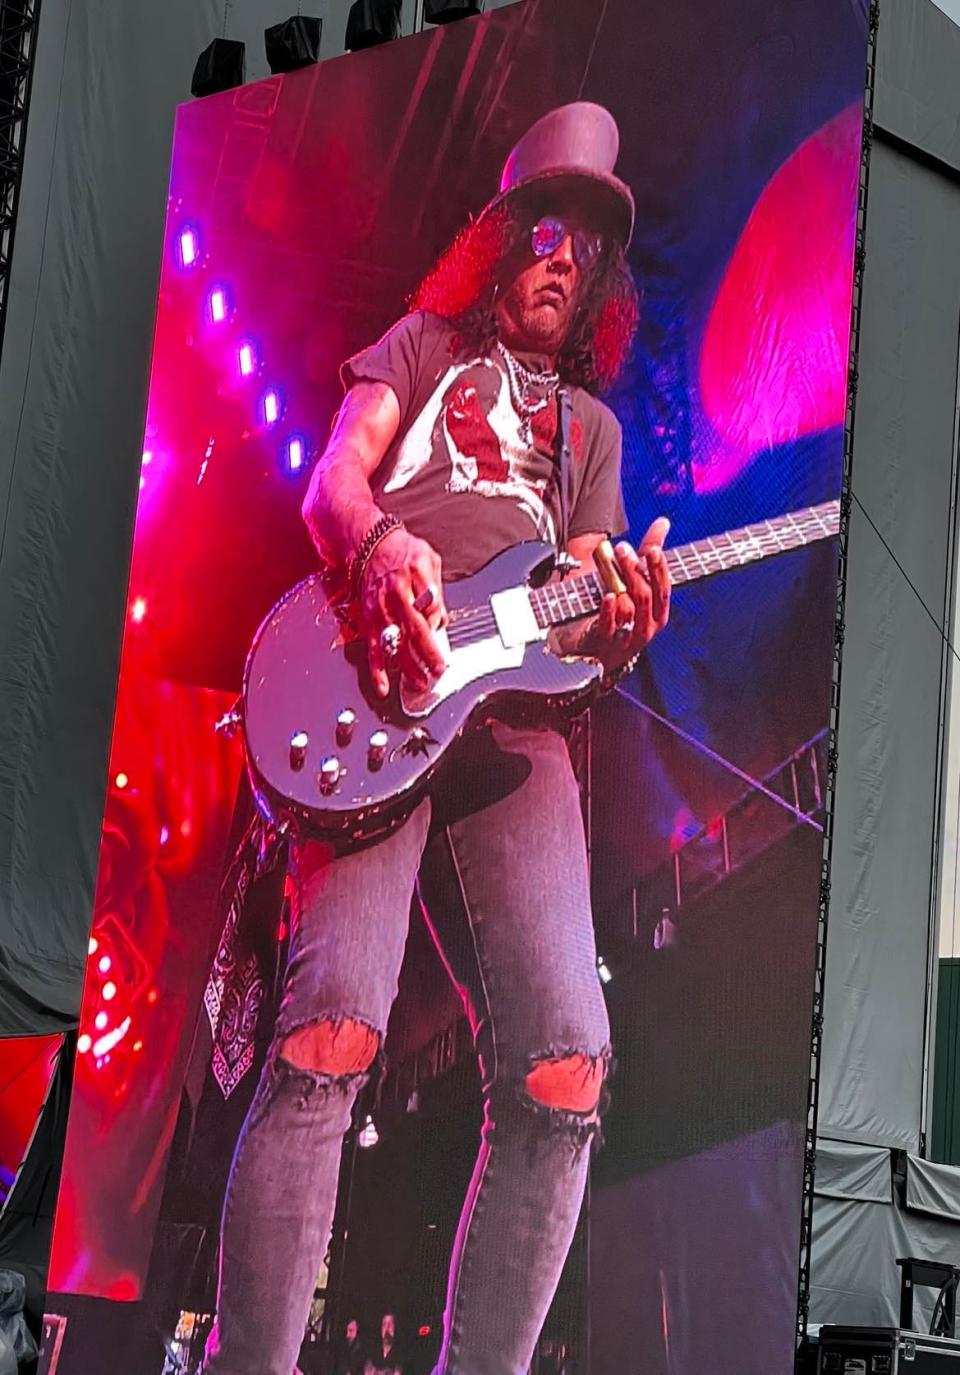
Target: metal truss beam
{"x": 18, "y": 33}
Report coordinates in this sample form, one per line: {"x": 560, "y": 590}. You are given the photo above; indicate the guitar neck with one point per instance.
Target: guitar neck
{"x": 581, "y": 595}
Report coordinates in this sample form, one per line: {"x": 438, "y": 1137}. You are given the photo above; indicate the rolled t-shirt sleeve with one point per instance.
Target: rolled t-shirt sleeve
{"x": 394, "y": 359}
{"x": 598, "y": 507}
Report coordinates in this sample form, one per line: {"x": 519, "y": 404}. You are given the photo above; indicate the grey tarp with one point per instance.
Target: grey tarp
{"x": 72, "y": 397}
{"x": 880, "y": 941}
{"x": 860, "y": 1229}
{"x": 847, "y": 1170}
{"x": 933, "y": 1189}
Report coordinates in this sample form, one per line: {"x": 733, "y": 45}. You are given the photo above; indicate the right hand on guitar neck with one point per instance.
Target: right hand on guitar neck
{"x": 401, "y": 569}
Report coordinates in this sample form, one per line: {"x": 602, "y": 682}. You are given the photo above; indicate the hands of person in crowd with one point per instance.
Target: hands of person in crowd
{"x": 401, "y": 586}
{"x": 627, "y": 623}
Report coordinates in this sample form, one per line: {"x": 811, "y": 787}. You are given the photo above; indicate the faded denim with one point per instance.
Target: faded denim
{"x": 500, "y": 842}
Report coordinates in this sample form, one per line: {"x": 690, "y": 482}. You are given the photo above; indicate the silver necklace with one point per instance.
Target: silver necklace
{"x": 522, "y": 381}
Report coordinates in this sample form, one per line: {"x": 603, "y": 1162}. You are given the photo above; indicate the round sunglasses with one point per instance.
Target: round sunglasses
{"x": 549, "y": 233}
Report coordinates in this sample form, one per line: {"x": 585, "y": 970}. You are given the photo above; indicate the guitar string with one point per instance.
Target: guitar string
{"x": 749, "y": 544}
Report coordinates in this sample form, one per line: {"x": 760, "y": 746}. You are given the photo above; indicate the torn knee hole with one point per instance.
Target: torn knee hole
{"x": 570, "y": 1083}
{"x": 331, "y": 1047}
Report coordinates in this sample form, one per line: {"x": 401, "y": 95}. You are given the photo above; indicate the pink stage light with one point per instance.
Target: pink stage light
{"x": 104, "y": 965}
{"x": 121, "y": 780}
{"x": 773, "y": 365}
{"x": 188, "y": 246}
{"x": 271, "y": 407}
{"x": 109, "y": 991}
{"x": 247, "y": 359}
{"x": 138, "y": 610}
{"x": 84, "y": 1043}
{"x": 100, "y": 1021}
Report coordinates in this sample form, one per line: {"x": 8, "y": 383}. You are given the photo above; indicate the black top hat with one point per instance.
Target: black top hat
{"x": 571, "y": 151}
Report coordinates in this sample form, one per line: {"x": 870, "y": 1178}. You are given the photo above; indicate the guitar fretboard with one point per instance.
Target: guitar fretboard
{"x": 580, "y": 595}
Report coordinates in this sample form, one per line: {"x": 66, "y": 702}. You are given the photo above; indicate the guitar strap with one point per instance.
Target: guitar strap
{"x": 565, "y": 466}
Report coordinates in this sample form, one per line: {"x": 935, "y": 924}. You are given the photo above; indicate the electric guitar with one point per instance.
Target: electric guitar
{"x": 326, "y": 753}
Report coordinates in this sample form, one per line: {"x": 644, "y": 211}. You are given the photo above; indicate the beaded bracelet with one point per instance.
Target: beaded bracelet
{"x": 377, "y": 533}
{"x": 615, "y": 677}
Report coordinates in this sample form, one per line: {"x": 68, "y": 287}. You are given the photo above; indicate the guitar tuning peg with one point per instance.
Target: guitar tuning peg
{"x": 565, "y": 564}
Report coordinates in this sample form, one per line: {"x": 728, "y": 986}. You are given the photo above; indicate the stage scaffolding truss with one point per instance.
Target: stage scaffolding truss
{"x": 18, "y": 34}
{"x": 816, "y": 1039}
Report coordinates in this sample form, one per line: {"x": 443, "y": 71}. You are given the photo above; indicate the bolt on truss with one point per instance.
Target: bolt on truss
{"x": 18, "y": 33}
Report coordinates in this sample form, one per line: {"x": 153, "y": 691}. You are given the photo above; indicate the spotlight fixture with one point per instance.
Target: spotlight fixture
{"x": 293, "y": 44}
{"x": 219, "y": 67}
{"x": 446, "y": 11}
{"x": 294, "y": 455}
{"x": 371, "y": 22}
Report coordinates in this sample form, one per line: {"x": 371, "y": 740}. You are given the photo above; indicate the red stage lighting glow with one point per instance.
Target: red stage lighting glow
{"x": 139, "y": 608}
{"x": 106, "y": 1043}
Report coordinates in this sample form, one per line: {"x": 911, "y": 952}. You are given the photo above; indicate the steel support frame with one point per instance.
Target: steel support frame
{"x": 18, "y": 34}
{"x": 846, "y": 502}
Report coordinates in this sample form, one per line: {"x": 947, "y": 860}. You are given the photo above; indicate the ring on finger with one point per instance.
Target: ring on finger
{"x": 428, "y": 597}
{"x": 626, "y": 629}
{"x": 390, "y": 641}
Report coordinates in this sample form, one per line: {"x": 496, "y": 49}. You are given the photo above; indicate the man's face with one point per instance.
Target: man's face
{"x": 388, "y": 1327}
{"x": 538, "y": 307}
{"x": 353, "y": 1331}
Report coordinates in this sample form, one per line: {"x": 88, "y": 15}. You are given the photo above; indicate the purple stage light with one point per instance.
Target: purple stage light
{"x": 271, "y": 405}
{"x": 218, "y": 304}
{"x": 247, "y": 359}
{"x": 188, "y": 246}
{"x": 294, "y": 454}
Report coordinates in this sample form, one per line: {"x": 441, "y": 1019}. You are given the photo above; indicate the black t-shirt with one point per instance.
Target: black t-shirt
{"x": 464, "y": 472}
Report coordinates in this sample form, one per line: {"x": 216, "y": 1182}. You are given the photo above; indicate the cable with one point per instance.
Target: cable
{"x": 796, "y": 812}
{"x": 906, "y": 577}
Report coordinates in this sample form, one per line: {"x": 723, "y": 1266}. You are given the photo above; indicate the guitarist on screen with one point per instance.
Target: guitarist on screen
{"x": 473, "y": 426}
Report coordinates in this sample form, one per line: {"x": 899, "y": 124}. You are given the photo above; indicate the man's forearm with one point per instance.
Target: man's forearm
{"x": 339, "y": 508}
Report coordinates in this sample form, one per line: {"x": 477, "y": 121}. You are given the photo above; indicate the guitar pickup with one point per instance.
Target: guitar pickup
{"x": 516, "y": 623}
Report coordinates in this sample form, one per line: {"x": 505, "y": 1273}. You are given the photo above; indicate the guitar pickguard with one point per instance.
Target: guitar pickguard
{"x": 465, "y": 666}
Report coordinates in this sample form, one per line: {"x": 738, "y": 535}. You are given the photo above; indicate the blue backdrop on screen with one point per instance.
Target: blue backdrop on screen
{"x": 303, "y": 213}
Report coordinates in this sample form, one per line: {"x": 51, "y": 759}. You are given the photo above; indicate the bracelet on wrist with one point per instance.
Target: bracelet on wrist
{"x": 614, "y": 677}
{"x": 375, "y": 536}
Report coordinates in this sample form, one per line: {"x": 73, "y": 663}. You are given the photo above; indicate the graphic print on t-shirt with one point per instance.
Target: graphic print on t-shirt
{"x": 469, "y": 425}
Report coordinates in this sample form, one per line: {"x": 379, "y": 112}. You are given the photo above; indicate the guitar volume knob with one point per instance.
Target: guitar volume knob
{"x": 329, "y": 775}
{"x": 346, "y": 723}
{"x": 377, "y": 749}
{"x": 299, "y": 742}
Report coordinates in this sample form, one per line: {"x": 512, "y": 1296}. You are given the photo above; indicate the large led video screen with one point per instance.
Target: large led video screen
{"x": 450, "y": 984}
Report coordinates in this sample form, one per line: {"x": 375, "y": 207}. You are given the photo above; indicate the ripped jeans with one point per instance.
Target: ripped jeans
{"x": 505, "y": 850}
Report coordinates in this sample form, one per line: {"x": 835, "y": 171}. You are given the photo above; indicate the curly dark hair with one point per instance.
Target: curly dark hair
{"x": 462, "y": 287}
